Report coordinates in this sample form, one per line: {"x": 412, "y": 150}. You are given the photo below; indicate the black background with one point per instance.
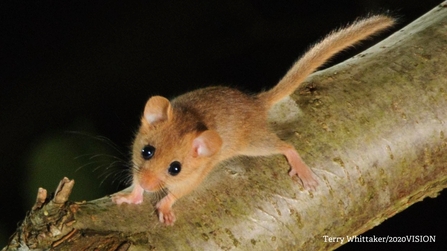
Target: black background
{"x": 98, "y": 61}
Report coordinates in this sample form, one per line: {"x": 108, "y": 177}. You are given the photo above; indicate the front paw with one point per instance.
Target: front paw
{"x": 128, "y": 198}
{"x": 165, "y": 214}
{"x": 167, "y": 218}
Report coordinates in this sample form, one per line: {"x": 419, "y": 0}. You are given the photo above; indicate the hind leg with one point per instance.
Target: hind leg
{"x": 298, "y": 167}
{"x": 273, "y": 145}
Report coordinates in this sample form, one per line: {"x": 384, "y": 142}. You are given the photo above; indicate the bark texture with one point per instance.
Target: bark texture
{"x": 372, "y": 128}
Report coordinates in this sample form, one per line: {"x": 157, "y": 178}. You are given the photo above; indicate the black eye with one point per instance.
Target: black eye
{"x": 147, "y": 152}
{"x": 174, "y": 168}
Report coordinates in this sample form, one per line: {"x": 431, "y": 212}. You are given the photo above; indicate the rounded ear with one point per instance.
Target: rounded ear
{"x": 157, "y": 109}
{"x": 206, "y": 144}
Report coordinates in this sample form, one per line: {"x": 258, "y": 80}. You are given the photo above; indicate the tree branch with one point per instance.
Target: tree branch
{"x": 373, "y": 129}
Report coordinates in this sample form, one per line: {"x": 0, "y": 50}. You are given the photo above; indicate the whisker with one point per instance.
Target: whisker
{"x": 89, "y": 163}
{"x": 128, "y": 178}
{"x": 110, "y": 143}
{"x": 161, "y": 192}
{"x": 135, "y": 167}
{"x": 82, "y": 155}
{"x": 113, "y": 174}
{"x": 100, "y": 138}
{"x": 97, "y": 155}
{"x": 119, "y": 176}
{"x": 103, "y": 155}
{"x": 109, "y": 165}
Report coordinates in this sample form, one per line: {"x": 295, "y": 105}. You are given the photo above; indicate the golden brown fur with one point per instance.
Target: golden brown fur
{"x": 202, "y": 128}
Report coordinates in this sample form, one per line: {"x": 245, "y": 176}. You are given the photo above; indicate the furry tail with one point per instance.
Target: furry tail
{"x": 319, "y": 53}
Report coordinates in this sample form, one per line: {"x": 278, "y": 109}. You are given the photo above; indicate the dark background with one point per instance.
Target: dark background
{"x": 73, "y": 72}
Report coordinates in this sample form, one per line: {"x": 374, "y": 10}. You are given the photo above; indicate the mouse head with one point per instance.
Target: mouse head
{"x": 171, "y": 146}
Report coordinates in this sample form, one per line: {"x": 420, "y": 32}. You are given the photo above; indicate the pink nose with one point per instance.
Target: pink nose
{"x": 149, "y": 182}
